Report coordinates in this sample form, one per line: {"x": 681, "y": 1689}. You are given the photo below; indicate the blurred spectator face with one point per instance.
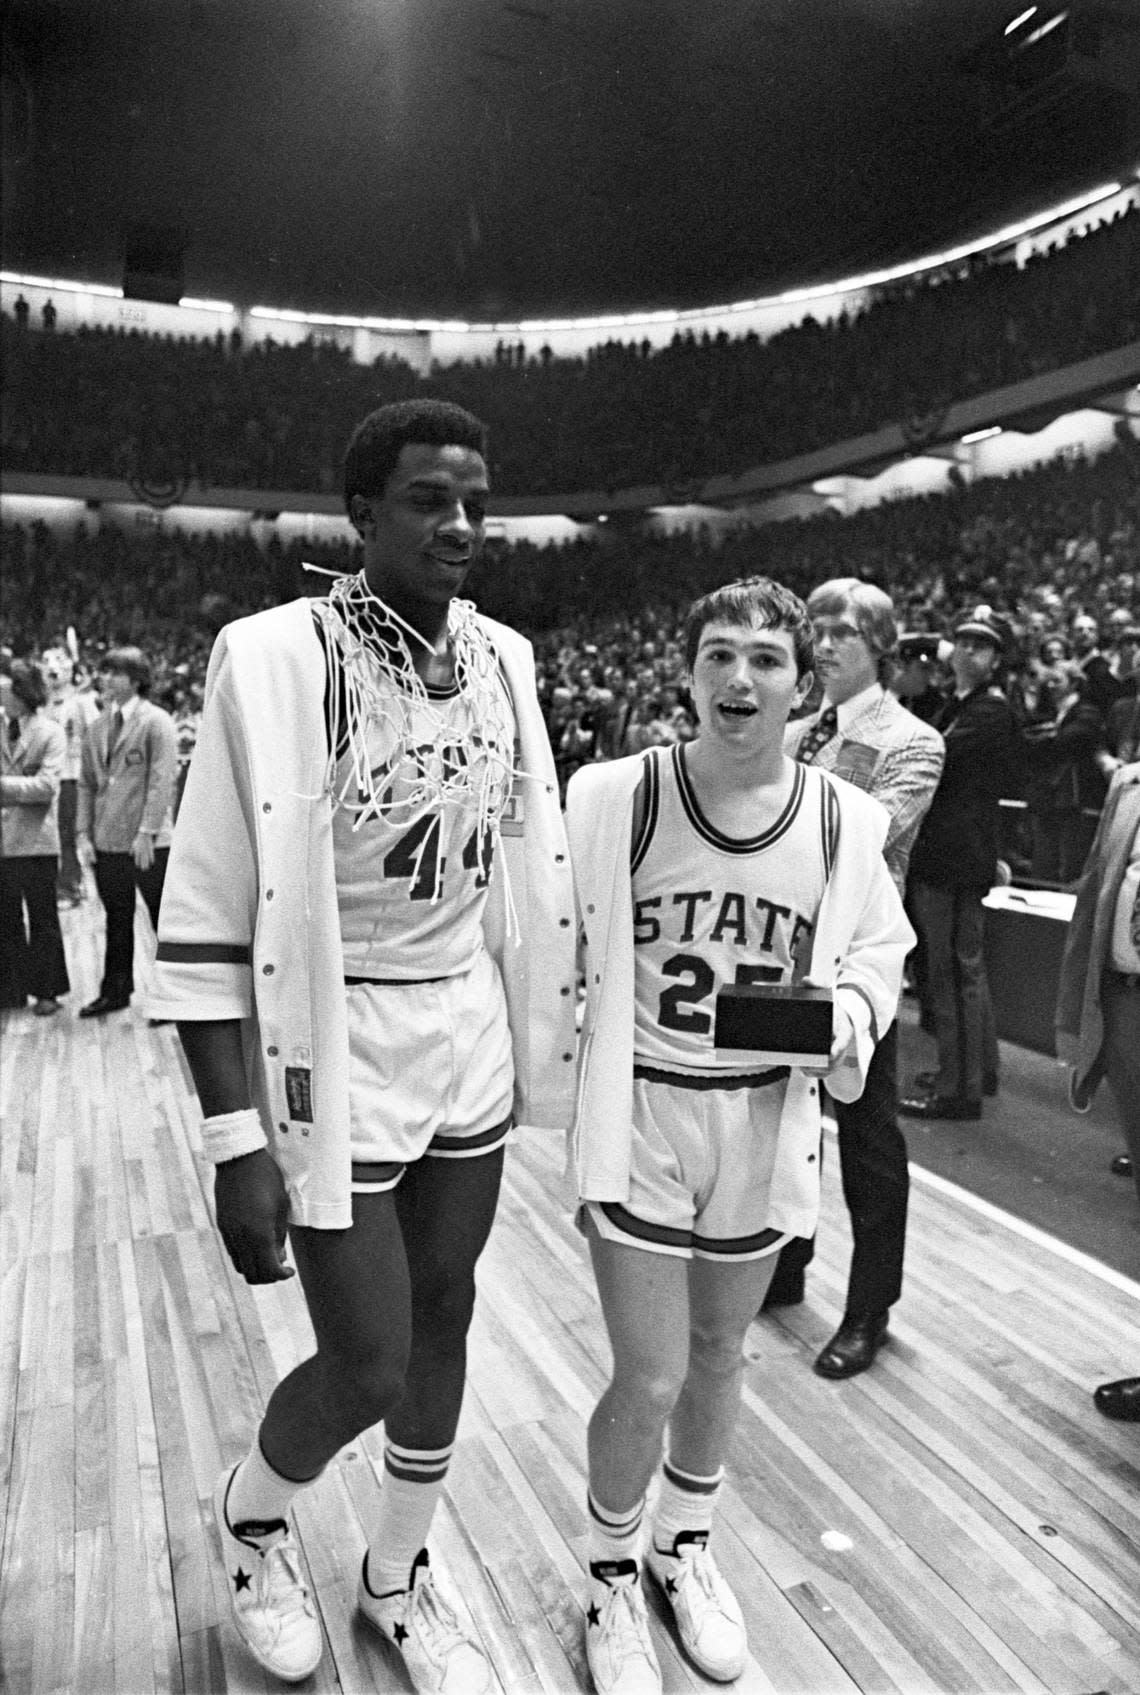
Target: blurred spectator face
{"x": 973, "y": 662}
{"x": 1119, "y": 620}
{"x": 57, "y": 667}
{"x": 1054, "y": 650}
{"x": 1085, "y": 634}
{"x": 844, "y": 663}
{"x": 115, "y": 687}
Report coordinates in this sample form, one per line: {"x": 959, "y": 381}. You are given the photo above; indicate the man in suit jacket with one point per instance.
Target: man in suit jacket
{"x": 866, "y": 735}
{"x": 1098, "y": 996}
{"x": 954, "y": 866}
{"x": 126, "y": 795}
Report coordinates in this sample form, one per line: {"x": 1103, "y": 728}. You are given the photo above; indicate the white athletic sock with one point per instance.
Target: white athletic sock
{"x": 685, "y": 1502}
{"x": 258, "y": 1494}
{"x": 614, "y": 1537}
{"x": 413, "y": 1483}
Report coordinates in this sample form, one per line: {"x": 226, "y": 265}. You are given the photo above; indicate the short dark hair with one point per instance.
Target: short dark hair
{"x": 752, "y": 600}
{"x": 27, "y": 682}
{"x": 134, "y": 662}
{"x": 377, "y": 440}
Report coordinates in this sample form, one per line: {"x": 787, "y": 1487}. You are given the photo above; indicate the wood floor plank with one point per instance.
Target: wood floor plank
{"x": 957, "y": 1522}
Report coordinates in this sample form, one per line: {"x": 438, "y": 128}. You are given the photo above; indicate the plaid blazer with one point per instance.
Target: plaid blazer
{"x": 893, "y": 756}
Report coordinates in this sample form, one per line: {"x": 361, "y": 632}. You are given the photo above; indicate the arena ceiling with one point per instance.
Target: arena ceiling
{"x": 498, "y": 159}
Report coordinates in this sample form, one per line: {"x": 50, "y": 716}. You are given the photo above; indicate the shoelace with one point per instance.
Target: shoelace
{"x": 281, "y": 1582}
{"x": 704, "y": 1574}
{"x": 627, "y": 1622}
{"x": 436, "y": 1624}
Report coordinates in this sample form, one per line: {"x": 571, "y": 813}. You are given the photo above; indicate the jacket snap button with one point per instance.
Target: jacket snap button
{"x": 265, "y": 807}
{"x": 267, "y": 970}
{"x": 272, "y": 1052}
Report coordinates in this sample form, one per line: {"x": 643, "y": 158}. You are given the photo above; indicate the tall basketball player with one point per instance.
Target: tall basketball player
{"x": 699, "y": 869}
{"x": 370, "y": 819}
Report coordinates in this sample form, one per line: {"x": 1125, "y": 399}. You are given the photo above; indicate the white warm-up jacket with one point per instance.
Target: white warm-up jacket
{"x": 249, "y": 927}
{"x": 860, "y": 943}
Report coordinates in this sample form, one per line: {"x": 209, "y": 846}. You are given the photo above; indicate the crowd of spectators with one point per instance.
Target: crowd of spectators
{"x": 124, "y": 404}
{"x": 1056, "y": 549}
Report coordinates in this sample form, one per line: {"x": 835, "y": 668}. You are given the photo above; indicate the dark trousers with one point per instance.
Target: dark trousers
{"x": 70, "y": 878}
{"x": 876, "y": 1185}
{"x": 117, "y": 877}
{"x": 952, "y": 925}
{"x": 1120, "y": 1007}
{"x": 32, "y": 960}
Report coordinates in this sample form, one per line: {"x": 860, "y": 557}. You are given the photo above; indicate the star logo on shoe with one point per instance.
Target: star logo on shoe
{"x": 241, "y": 1580}
{"x": 670, "y": 1586}
{"x": 401, "y": 1634}
{"x": 592, "y": 1616}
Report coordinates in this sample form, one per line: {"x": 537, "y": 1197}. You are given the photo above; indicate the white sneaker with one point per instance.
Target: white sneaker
{"x": 271, "y": 1605}
{"x": 707, "y": 1613}
{"x": 618, "y": 1649}
{"x": 440, "y": 1656}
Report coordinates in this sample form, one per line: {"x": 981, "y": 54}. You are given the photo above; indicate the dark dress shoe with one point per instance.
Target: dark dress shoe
{"x": 1121, "y": 1165}
{"x": 939, "y": 1106}
{"x": 926, "y": 1082}
{"x": 1120, "y": 1400}
{"x": 103, "y": 1004}
{"x": 854, "y": 1346}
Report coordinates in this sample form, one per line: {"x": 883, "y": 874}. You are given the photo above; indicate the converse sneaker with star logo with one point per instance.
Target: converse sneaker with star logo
{"x": 271, "y": 1605}
{"x": 442, "y": 1659}
{"x": 707, "y": 1614}
{"x": 619, "y": 1652}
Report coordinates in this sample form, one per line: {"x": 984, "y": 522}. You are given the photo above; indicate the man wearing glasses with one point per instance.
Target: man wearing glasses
{"x": 864, "y": 734}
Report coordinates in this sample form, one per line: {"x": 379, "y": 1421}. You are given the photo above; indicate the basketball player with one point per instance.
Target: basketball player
{"x": 367, "y": 992}
{"x": 700, "y": 867}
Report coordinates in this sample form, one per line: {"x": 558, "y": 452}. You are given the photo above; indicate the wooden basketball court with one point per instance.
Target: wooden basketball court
{"x": 959, "y": 1519}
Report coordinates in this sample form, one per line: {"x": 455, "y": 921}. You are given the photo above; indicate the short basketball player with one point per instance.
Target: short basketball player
{"x": 367, "y": 941}
{"x": 700, "y": 868}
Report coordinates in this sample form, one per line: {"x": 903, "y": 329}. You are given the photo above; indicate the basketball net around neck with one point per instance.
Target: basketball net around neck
{"x": 366, "y": 641}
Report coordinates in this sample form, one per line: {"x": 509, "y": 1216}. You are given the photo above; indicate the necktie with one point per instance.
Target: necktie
{"x": 114, "y": 733}
{"x": 821, "y": 732}
{"x": 13, "y": 730}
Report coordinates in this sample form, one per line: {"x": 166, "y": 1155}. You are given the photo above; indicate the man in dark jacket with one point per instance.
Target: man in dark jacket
{"x": 954, "y": 865}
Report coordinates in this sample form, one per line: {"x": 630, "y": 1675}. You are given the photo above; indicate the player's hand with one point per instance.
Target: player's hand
{"x": 142, "y": 850}
{"x": 842, "y": 1041}
{"x": 85, "y": 851}
{"x": 252, "y": 1205}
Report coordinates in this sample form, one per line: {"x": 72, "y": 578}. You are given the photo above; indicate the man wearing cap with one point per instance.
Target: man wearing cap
{"x": 1098, "y": 996}
{"x": 919, "y": 665}
{"x": 954, "y": 865}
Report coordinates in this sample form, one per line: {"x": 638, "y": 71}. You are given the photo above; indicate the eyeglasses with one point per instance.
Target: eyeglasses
{"x": 835, "y": 633}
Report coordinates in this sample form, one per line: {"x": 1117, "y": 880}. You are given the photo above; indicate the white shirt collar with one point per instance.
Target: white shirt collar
{"x": 130, "y": 707}
{"x": 847, "y": 711}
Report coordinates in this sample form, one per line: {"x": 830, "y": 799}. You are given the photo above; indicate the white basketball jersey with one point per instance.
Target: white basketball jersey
{"x": 709, "y": 910}
{"x": 411, "y": 878}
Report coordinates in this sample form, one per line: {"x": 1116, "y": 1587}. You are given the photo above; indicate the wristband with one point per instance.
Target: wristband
{"x": 226, "y": 1123}
{"x": 229, "y": 1135}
